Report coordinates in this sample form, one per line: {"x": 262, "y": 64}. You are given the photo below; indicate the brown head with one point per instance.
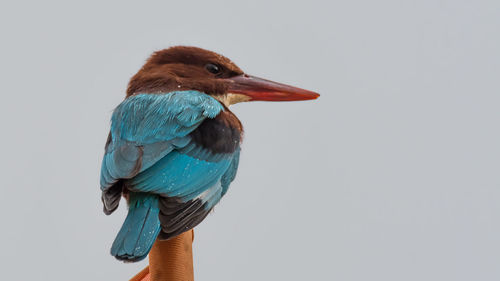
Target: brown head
{"x": 190, "y": 68}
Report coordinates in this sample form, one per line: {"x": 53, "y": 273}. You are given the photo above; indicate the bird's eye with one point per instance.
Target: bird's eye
{"x": 212, "y": 68}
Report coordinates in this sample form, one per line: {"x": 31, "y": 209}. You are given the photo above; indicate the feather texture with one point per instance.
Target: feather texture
{"x": 175, "y": 154}
{"x": 146, "y": 127}
{"x": 140, "y": 229}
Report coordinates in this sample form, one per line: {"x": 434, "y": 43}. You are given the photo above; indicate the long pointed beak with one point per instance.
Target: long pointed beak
{"x": 258, "y": 89}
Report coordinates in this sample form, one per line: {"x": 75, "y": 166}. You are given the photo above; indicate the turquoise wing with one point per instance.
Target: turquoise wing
{"x": 144, "y": 129}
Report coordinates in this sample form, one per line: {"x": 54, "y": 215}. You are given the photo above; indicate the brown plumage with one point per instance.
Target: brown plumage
{"x": 183, "y": 68}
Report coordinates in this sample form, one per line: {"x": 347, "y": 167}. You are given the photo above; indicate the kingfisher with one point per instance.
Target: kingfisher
{"x": 174, "y": 146}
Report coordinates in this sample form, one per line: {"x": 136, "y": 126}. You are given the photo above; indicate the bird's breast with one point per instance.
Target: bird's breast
{"x": 221, "y": 134}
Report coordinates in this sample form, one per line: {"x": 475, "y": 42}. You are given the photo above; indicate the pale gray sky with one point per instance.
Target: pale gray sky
{"x": 393, "y": 174}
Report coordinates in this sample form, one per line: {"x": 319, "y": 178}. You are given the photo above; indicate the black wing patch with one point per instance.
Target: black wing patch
{"x": 111, "y": 197}
{"x": 177, "y": 217}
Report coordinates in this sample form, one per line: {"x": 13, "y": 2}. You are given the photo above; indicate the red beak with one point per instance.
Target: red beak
{"x": 259, "y": 89}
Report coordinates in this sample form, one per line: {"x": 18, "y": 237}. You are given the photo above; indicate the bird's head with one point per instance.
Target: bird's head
{"x": 190, "y": 68}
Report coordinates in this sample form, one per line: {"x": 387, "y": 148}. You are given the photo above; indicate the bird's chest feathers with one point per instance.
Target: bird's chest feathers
{"x": 221, "y": 134}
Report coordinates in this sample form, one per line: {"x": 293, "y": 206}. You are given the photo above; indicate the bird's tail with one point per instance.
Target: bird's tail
{"x": 140, "y": 229}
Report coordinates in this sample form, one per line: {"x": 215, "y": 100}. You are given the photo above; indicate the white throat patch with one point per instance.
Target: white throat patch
{"x": 230, "y": 98}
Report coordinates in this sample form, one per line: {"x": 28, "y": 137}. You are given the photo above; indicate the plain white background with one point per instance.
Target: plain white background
{"x": 393, "y": 174}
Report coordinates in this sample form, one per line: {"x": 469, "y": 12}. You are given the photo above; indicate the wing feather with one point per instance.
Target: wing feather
{"x": 147, "y": 127}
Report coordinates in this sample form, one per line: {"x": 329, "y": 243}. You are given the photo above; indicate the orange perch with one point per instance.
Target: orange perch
{"x": 170, "y": 260}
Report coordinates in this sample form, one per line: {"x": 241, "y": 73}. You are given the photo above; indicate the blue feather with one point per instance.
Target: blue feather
{"x": 146, "y": 127}
{"x": 140, "y": 229}
{"x": 179, "y": 175}
{"x": 151, "y": 149}
{"x": 230, "y": 173}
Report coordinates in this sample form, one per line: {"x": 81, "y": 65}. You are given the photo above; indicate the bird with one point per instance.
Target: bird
{"x": 174, "y": 146}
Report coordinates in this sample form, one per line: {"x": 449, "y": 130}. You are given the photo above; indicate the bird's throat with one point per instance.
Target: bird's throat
{"x": 230, "y": 98}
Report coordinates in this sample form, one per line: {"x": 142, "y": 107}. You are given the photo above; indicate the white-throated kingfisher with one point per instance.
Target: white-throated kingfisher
{"x": 174, "y": 145}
